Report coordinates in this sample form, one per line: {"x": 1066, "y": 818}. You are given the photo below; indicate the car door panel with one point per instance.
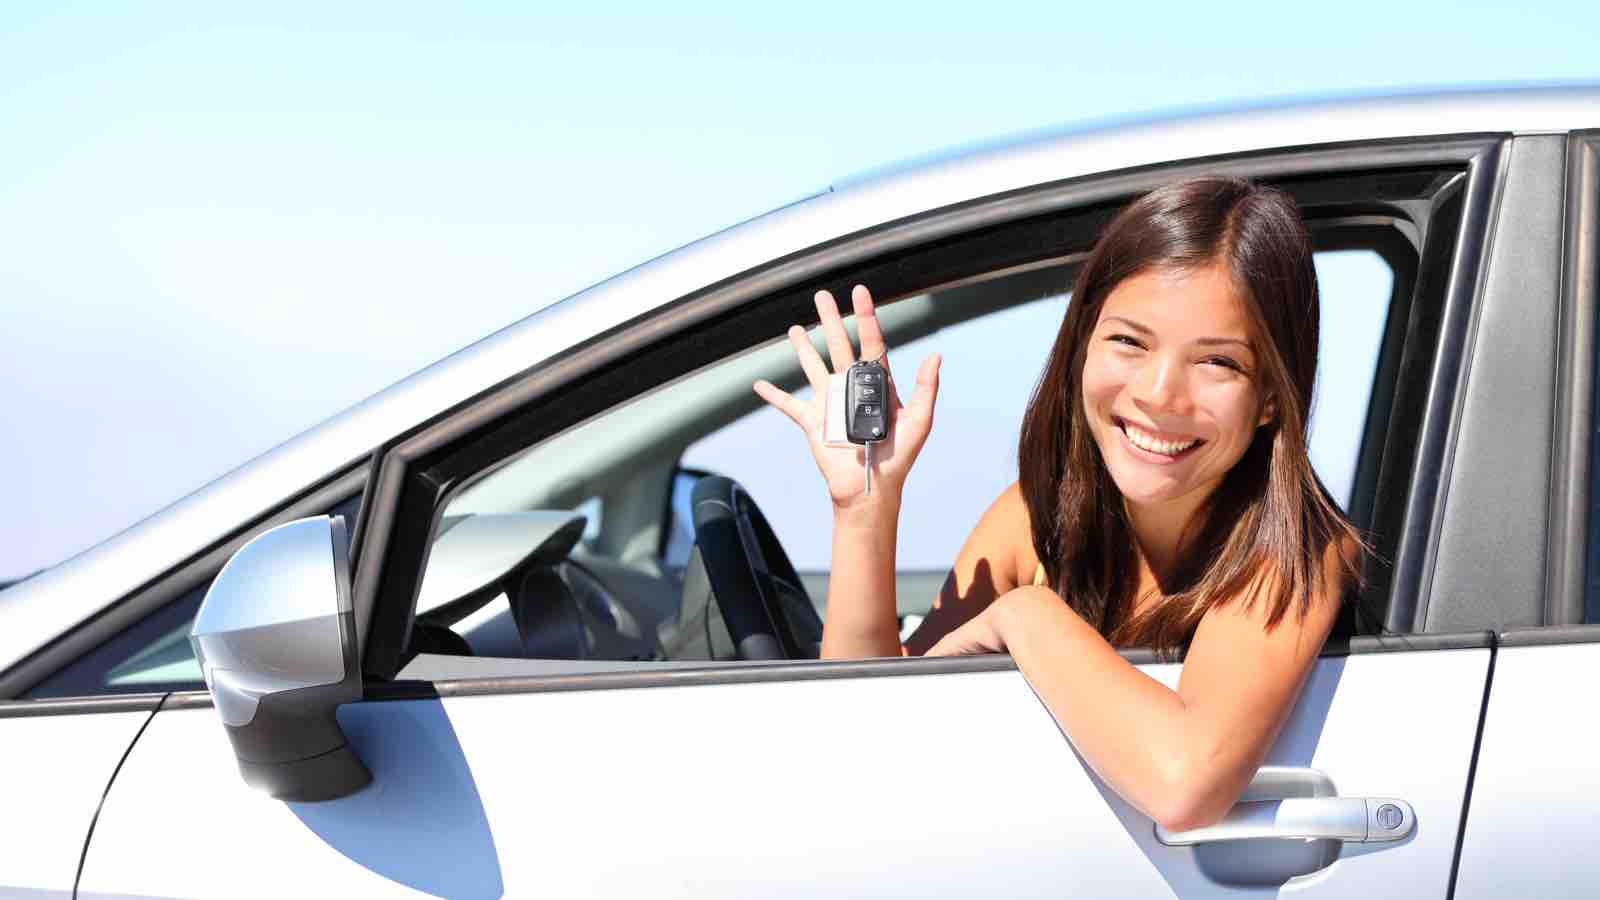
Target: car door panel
{"x": 949, "y": 784}
{"x": 1531, "y": 827}
{"x": 56, "y": 770}
{"x": 236, "y": 841}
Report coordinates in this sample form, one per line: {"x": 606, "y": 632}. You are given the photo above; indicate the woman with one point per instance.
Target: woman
{"x": 1166, "y": 499}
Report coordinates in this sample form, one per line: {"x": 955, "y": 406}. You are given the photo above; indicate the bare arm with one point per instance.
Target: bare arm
{"x": 1180, "y": 756}
{"x": 861, "y": 602}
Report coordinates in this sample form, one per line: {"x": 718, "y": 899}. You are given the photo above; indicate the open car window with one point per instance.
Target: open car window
{"x": 582, "y": 548}
{"x": 990, "y": 366}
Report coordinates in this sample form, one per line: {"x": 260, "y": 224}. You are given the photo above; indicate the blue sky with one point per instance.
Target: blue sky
{"x": 220, "y": 226}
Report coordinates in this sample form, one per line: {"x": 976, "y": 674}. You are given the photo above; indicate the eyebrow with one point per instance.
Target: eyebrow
{"x": 1205, "y": 341}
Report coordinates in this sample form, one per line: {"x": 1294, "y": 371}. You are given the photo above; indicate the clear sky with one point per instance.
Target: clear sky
{"x": 220, "y": 226}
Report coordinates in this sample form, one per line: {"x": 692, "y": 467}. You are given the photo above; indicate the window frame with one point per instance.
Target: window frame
{"x": 417, "y": 473}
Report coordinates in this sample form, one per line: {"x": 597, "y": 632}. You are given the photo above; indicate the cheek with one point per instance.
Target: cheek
{"x": 1234, "y": 409}
{"x": 1102, "y": 380}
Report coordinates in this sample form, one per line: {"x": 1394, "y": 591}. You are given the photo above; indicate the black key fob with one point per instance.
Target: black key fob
{"x": 866, "y": 391}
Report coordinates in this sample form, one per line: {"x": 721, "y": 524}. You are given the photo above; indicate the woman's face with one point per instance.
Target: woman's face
{"x": 1169, "y": 386}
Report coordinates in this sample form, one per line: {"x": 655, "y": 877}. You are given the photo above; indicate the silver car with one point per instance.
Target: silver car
{"x": 518, "y": 625}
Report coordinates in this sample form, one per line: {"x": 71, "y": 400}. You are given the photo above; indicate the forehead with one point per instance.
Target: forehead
{"x": 1183, "y": 302}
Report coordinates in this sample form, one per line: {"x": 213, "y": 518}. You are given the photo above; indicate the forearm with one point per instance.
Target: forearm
{"x": 1133, "y": 731}
{"x": 861, "y": 619}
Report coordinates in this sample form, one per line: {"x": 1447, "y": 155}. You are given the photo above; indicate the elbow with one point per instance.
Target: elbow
{"x": 1190, "y": 800}
{"x": 1184, "y": 814}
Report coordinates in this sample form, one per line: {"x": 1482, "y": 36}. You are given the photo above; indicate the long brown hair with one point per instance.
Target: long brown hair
{"x": 1270, "y": 522}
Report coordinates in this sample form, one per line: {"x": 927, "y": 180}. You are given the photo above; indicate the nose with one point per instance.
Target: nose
{"x": 1161, "y": 386}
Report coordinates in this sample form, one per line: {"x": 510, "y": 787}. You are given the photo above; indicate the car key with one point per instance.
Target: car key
{"x": 866, "y": 408}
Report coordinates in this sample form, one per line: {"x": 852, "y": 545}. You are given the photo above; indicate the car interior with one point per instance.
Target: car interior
{"x": 619, "y": 593}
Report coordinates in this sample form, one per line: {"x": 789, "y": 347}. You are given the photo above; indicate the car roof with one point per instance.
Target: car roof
{"x": 45, "y": 605}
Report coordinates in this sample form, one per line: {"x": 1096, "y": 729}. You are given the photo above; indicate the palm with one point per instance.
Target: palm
{"x": 844, "y": 467}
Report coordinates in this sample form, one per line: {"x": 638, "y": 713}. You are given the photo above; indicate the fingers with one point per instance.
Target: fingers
{"x": 786, "y": 404}
{"x": 952, "y": 644}
{"x": 872, "y": 346}
{"x": 974, "y": 636}
{"x": 926, "y": 391}
{"x": 833, "y": 329}
{"x": 810, "y": 361}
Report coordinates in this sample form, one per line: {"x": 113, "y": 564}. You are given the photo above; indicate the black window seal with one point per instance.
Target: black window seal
{"x": 89, "y": 635}
{"x": 1402, "y": 256}
{"x": 418, "y": 470}
{"x": 1452, "y": 266}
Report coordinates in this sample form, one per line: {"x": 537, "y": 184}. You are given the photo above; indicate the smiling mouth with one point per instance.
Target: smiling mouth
{"x": 1151, "y": 445}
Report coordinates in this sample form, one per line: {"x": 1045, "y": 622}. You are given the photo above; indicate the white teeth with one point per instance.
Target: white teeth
{"x": 1145, "y": 441}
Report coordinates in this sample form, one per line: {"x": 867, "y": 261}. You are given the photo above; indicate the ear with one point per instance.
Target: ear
{"x": 1269, "y": 411}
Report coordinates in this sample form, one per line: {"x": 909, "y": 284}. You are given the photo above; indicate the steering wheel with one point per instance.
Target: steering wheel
{"x": 752, "y": 582}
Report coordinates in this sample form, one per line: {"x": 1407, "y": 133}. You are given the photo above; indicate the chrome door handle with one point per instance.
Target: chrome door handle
{"x": 1356, "y": 819}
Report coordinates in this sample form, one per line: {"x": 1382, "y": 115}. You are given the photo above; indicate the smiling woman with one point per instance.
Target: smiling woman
{"x": 1166, "y": 498}
{"x": 1199, "y": 323}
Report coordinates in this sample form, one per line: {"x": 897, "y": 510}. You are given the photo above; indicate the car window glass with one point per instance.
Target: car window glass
{"x": 679, "y": 539}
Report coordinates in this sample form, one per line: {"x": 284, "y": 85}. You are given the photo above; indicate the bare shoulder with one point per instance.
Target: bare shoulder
{"x": 1299, "y": 635}
{"x": 1341, "y": 556}
{"x": 1340, "y": 560}
{"x": 997, "y": 557}
{"x": 1012, "y": 511}
{"x": 1003, "y": 540}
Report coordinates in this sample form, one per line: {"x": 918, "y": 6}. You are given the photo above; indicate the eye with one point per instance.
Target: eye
{"x": 1226, "y": 362}
{"x": 1125, "y": 339}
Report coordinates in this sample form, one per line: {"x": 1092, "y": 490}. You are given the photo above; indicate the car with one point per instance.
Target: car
{"x": 518, "y": 625}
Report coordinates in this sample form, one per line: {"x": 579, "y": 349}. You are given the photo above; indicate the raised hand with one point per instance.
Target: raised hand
{"x": 908, "y": 424}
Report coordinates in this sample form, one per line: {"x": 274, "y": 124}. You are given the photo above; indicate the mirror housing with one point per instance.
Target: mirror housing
{"x": 276, "y": 641}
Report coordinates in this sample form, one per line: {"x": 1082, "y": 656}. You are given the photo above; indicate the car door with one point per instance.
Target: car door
{"x": 903, "y": 777}
{"x": 783, "y": 782}
{"x": 58, "y": 761}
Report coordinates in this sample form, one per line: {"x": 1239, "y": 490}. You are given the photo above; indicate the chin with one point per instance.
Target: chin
{"x": 1140, "y": 483}
{"x": 1145, "y": 494}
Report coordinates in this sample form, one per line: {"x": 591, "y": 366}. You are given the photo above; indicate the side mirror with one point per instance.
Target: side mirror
{"x": 276, "y": 641}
